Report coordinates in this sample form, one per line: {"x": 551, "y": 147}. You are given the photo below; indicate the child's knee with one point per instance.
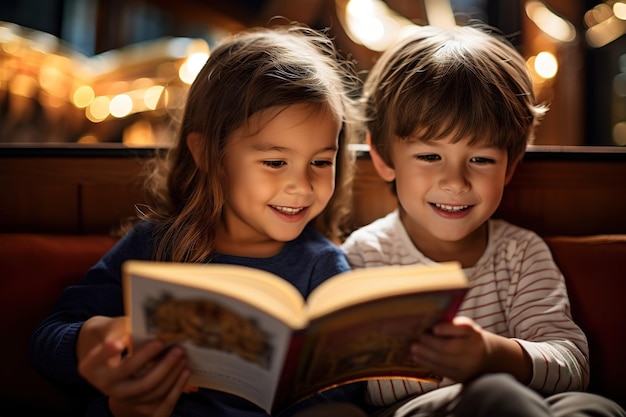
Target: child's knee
{"x": 583, "y": 404}
{"x": 501, "y": 394}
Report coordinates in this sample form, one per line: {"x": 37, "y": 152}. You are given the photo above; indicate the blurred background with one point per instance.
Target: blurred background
{"x": 117, "y": 71}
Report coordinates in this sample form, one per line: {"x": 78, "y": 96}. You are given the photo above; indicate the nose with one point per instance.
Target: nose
{"x": 454, "y": 180}
{"x": 299, "y": 182}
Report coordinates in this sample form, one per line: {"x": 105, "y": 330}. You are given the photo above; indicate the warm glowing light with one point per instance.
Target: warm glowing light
{"x": 178, "y": 47}
{"x": 375, "y": 33}
{"x": 83, "y": 96}
{"x": 192, "y": 66}
{"x": 549, "y": 22}
{"x": 372, "y": 24}
{"x": 139, "y": 83}
{"x": 98, "y": 110}
{"x": 605, "y": 32}
{"x": 52, "y": 79}
{"x": 619, "y": 134}
{"x": 598, "y": 14}
{"x": 121, "y": 105}
{"x": 619, "y": 9}
{"x": 38, "y": 70}
{"x": 197, "y": 46}
{"x": 138, "y": 134}
{"x": 439, "y": 13}
{"x": 6, "y": 35}
{"x": 152, "y": 96}
{"x": 51, "y": 101}
{"x": 367, "y": 29}
{"x": 88, "y": 139}
{"x": 118, "y": 87}
{"x": 546, "y": 65}
{"x": 23, "y": 85}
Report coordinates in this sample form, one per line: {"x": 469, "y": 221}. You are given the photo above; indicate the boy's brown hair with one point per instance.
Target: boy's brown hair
{"x": 465, "y": 82}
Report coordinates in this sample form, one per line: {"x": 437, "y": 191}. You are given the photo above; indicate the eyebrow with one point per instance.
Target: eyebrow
{"x": 269, "y": 148}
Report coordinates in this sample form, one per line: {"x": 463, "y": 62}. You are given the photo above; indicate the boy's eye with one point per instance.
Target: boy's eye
{"x": 274, "y": 164}
{"x": 428, "y": 157}
{"x": 322, "y": 163}
{"x": 482, "y": 160}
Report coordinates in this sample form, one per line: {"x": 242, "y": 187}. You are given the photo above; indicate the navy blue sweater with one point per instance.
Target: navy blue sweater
{"x": 304, "y": 262}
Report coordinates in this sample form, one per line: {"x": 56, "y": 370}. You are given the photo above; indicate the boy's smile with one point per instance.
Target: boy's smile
{"x": 451, "y": 211}
{"x": 280, "y": 174}
{"x": 447, "y": 191}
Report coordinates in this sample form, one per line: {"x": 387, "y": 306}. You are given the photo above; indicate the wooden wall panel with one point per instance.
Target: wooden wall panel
{"x": 553, "y": 193}
{"x": 67, "y": 195}
{"x": 43, "y": 205}
{"x": 104, "y": 205}
{"x": 567, "y": 197}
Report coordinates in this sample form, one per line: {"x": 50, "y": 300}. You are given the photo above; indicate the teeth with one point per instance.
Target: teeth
{"x": 288, "y": 210}
{"x": 450, "y": 208}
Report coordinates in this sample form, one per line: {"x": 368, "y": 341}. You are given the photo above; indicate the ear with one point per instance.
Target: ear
{"x": 194, "y": 143}
{"x": 511, "y": 170}
{"x": 384, "y": 171}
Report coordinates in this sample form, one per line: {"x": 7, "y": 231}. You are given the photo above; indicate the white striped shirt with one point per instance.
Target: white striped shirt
{"x": 516, "y": 291}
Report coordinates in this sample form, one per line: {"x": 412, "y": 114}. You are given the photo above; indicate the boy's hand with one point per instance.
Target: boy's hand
{"x": 146, "y": 382}
{"x": 456, "y": 350}
{"x": 462, "y": 350}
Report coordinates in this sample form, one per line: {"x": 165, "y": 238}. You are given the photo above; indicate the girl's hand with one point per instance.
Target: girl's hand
{"x": 146, "y": 382}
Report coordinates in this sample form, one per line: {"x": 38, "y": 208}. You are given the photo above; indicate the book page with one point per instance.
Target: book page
{"x": 259, "y": 288}
{"x": 231, "y": 345}
{"x": 367, "y": 284}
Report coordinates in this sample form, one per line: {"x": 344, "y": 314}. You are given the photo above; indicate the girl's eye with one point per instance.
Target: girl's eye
{"x": 274, "y": 164}
{"x": 321, "y": 163}
{"x": 428, "y": 157}
{"x": 481, "y": 160}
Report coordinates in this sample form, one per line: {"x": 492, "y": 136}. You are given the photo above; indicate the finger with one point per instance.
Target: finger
{"x": 169, "y": 383}
{"x": 437, "y": 344}
{"x": 120, "y": 381}
{"x": 168, "y": 404}
{"x": 138, "y": 361}
{"x": 146, "y": 386}
{"x": 161, "y": 378}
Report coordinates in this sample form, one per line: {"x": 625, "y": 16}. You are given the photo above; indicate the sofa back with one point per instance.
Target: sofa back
{"x": 594, "y": 268}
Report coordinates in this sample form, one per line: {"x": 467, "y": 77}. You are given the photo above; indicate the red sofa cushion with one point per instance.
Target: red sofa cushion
{"x": 34, "y": 270}
{"x": 595, "y": 272}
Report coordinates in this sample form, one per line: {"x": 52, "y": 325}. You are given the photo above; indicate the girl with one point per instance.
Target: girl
{"x": 260, "y": 157}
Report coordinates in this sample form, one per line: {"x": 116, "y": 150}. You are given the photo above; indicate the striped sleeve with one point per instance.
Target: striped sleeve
{"x": 540, "y": 321}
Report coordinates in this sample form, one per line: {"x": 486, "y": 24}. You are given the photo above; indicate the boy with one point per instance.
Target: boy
{"x": 449, "y": 114}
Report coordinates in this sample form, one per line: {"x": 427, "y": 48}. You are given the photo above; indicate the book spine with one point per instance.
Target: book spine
{"x": 285, "y": 396}
{"x": 456, "y": 299}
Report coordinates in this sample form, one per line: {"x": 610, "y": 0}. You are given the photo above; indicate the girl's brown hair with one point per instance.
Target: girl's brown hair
{"x": 246, "y": 73}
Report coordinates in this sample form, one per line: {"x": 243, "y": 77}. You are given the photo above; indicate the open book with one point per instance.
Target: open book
{"x": 250, "y": 333}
